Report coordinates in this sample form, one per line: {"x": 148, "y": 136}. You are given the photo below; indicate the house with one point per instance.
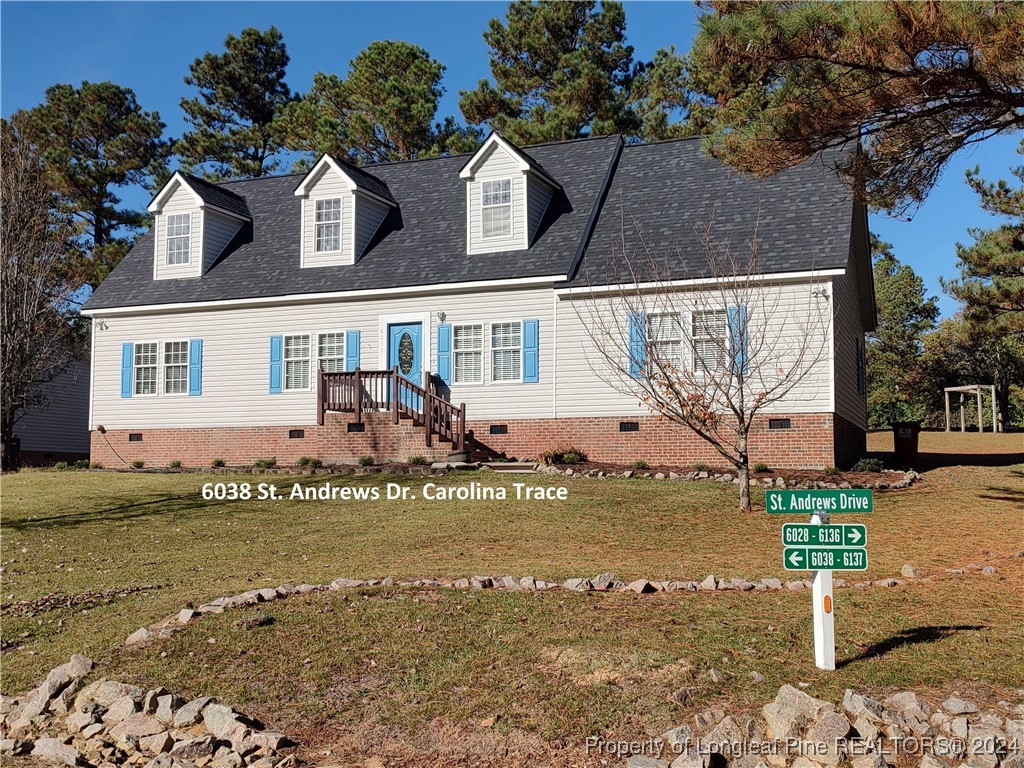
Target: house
{"x": 434, "y": 305}
{"x": 59, "y": 429}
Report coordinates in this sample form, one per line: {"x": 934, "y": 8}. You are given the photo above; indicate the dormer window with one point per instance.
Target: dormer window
{"x": 179, "y": 236}
{"x": 496, "y": 208}
{"x": 328, "y": 225}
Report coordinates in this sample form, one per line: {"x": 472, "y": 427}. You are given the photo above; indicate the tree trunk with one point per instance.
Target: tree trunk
{"x": 744, "y": 473}
{"x": 9, "y": 460}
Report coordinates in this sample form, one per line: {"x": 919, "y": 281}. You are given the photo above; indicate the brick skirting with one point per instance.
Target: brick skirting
{"x": 811, "y": 441}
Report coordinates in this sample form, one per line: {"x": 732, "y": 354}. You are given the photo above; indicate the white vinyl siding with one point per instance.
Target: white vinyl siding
{"x": 368, "y": 218}
{"x": 218, "y": 231}
{"x": 708, "y": 333}
{"x": 498, "y": 166}
{"x": 144, "y": 368}
{"x": 179, "y": 214}
{"x": 468, "y": 353}
{"x": 327, "y": 233}
{"x": 506, "y": 352}
{"x": 538, "y": 195}
{"x": 496, "y": 209}
{"x": 175, "y": 367}
{"x": 236, "y": 363}
{"x": 331, "y": 352}
{"x": 296, "y": 362}
{"x": 848, "y": 341}
{"x": 583, "y": 392}
{"x": 329, "y": 188}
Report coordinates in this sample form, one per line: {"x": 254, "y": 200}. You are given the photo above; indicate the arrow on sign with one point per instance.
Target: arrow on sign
{"x": 854, "y": 535}
{"x": 795, "y": 558}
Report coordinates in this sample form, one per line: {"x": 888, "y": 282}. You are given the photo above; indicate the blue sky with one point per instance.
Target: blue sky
{"x": 149, "y": 45}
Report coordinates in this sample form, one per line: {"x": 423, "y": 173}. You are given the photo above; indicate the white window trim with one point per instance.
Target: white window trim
{"x": 684, "y": 338}
{"x": 162, "y": 357}
{"x": 511, "y": 211}
{"x": 484, "y": 331}
{"x": 700, "y": 370}
{"x": 317, "y": 355}
{"x": 135, "y": 367}
{"x": 491, "y": 350}
{"x": 311, "y": 357}
{"x": 341, "y": 234}
{"x": 168, "y": 237}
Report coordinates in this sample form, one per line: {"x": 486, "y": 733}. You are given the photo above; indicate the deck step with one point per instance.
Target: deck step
{"x": 513, "y": 467}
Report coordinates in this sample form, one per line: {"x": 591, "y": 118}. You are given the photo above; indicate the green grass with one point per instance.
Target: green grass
{"x": 392, "y": 666}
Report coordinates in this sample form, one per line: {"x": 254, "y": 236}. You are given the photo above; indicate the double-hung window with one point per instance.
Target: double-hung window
{"x": 179, "y": 231}
{"x": 296, "y": 362}
{"x": 468, "y": 350}
{"x": 666, "y": 333}
{"x": 496, "y": 208}
{"x": 507, "y": 351}
{"x": 175, "y": 367}
{"x": 710, "y": 339}
{"x": 331, "y": 352}
{"x": 145, "y": 367}
{"x": 328, "y": 225}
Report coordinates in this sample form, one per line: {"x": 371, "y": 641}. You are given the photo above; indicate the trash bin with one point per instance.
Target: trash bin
{"x": 904, "y": 441}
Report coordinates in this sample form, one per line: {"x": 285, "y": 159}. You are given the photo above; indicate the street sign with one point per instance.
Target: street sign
{"x": 824, "y": 559}
{"x": 810, "y": 535}
{"x": 811, "y": 502}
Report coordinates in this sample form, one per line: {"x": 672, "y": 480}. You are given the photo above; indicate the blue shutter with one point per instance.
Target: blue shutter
{"x": 531, "y": 351}
{"x": 444, "y": 353}
{"x": 195, "y": 367}
{"x": 127, "y": 358}
{"x": 276, "y": 359}
{"x": 351, "y": 350}
{"x": 637, "y": 344}
{"x": 738, "y": 340}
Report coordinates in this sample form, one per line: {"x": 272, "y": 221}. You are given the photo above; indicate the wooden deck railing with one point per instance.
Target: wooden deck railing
{"x": 359, "y": 391}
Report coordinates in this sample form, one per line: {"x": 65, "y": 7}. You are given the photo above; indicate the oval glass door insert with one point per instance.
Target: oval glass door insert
{"x": 406, "y": 353}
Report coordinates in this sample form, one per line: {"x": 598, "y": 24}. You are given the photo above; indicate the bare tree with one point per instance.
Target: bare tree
{"x": 37, "y": 286}
{"x": 710, "y": 352}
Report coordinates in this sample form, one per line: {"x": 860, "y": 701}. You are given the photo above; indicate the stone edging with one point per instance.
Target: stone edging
{"x": 605, "y": 582}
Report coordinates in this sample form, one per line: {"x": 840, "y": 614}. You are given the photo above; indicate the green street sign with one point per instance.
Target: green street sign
{"x": 809, "y": 502}
{"x": 811, "y": 535}
{"x": 824, "y": 559}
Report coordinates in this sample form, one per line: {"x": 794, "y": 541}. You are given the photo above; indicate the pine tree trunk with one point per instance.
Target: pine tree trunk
{"x": 744, "y": 473}
{"x": 9, "y": 459}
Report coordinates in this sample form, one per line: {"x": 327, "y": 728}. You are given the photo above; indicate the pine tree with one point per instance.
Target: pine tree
{"x": 991, "y": 282}
{"x": 238, "y": 117}
{"x": 916, "y": 82}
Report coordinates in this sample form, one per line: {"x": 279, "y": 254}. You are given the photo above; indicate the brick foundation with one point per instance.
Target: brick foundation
{"x": 812, "y": 441}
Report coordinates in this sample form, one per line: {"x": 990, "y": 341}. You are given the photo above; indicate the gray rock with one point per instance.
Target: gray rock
{"x": 14, "y": 746}
{"x": 707, "y": 718}
{"x": 830, "y": 730}
{"x": 344, "y": 583}
{"x": 869, "y": 760}
{"x": 721, "y": 738}
{"x": 166, "y": 707}
{"x": 908, "y": 703}
{"x": 219, "y": 719}
{"x": 909, "y": 572}
{"x": 757, "y": 677}
{"x": 795, "y": 586}
{"x": 715, "y": 675}
{"x": 157, "y": 743}
{"x": 791, "y": 711}
{"x": 119, "y": 710}
{"x": 692, "y": 759}
{"x": 643, "y": 761}
{"x": 192, "y": 749}
{"x": 985, "y": 746}
{"x": 640, "y": 586}
{"x": 862, "y": 706}
{"x": 270, "y": 740}
{"x": 185, "y": 615}
{"x": 957, "y": 706}
{"x": 528, "y": 582}
{"x": 710, "y": 583}
{"x": 461, "y": 584}
{"x": 958, "y": 727}
{"x": 481, "y": 582}
{"x": 79, "y": 666}
{"x": 603, "y": 581}
{"x": 772, "y": 583}
{"x": 140, "y": 635}
{"x": 930, "y": 761}
{"x": 56, "y": 752}
{"x": 78, "y": 720}
{"x": 577, "y": 585}
{"x": 191, "y": 713}
{"x": 149, "y": 701}
{"x": 137, "y": 725}
{"x": 678, "y": 737}
{"x": 867, "y": 730}
{"x": 988, "y": 570}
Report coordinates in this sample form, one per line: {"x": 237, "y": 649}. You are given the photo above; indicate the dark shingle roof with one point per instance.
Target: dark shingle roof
{"x": 664, "y": 196}
{"x": 667, "y": 191}
{"x": 366, "y": 181}
{"x": 218, "y": 196}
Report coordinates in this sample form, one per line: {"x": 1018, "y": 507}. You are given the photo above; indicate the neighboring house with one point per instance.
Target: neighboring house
{"x": 58, "y": 430}
{"x": 234, "y": 328}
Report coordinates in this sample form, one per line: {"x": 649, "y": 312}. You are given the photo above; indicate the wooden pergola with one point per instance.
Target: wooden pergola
{"x": 979, "y": 391}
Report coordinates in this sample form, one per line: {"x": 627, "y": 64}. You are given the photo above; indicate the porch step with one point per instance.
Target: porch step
{"x": 513, "y": 467}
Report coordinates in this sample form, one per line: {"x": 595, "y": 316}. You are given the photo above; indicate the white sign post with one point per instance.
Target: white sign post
{"x": 824, "y": 619}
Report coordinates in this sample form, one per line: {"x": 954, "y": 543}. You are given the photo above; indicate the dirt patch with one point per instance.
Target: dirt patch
{"x": 596, "y": 667}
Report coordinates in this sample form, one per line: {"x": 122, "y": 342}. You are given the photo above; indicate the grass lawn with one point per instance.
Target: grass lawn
{"x": 418, "y": 675}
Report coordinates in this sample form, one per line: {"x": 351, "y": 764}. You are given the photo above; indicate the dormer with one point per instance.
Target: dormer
{"x": 507, "y": 194}
{"x": 343, "y": 206}
{"x": 193, "y": 222}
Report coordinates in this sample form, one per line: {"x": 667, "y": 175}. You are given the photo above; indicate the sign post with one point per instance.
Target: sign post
{"x": 821, "y": 547}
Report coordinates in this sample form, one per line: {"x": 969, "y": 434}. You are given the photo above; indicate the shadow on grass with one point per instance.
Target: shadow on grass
{"x": 909, "y": 637}
{"x": 926, "y": 461}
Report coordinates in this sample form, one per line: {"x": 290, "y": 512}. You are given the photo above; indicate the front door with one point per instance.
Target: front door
{"x": 405, "y": 350}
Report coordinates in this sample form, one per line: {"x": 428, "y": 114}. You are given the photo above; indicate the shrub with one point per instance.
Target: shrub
{"x": 175, "y": 464}
{"x": 641, "y": 464}
{"x": 419, "y": 460}
{"x": 217, "y": 463}
{"x": 831, "y": 471}
{"x": 700, "y": 467}
{"x": 366, "y": 461}
{"x": 304, "y": 461}
{"x": 81, "y": 464}
{"x": 564, "y": 455}
{"x": 97, "y": 465}
{"x": 868, "y": 465}
{"x": 60, "y": 466}
{"x": 265, "y": 463}
{"x": 761, "y": 467}
{"x": 138, "y": 464}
